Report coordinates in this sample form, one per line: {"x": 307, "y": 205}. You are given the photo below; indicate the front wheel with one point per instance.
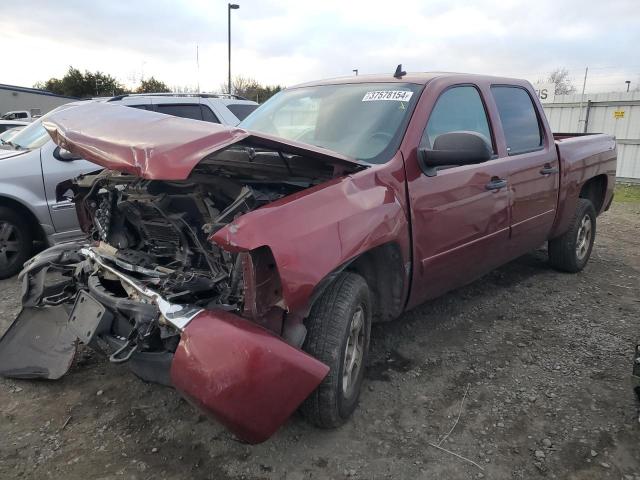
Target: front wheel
{"x": 570, "y": 252}
{"x": 339, "y": 327}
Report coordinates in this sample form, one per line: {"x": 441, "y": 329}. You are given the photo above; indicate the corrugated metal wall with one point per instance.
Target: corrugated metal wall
{"x": 614, "y": 113}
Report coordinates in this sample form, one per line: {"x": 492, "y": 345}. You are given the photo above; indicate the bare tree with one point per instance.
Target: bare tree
{"x": 560, "y": 78}
{"x": 250, "y": 88}
{"x": 184, "y": 89}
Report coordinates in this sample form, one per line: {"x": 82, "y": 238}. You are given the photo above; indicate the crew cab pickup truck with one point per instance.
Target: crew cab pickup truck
{"x": 244, "y": 265}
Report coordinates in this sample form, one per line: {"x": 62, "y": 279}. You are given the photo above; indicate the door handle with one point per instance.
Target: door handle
{"x": 496, "y": 184}
{"x": 548, "y": 169}
{"x": 64, "y": 205}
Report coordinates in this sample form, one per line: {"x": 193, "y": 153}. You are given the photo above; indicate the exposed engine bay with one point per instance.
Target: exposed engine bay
{"x": 158, "y": 231}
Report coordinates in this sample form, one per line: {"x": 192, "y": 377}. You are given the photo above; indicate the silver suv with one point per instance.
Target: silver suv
{"x": 210, "y": 107}
{"x": 31, "y": 166}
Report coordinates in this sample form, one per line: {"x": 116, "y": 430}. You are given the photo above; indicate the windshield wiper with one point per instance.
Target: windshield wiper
{"x": 14, "y": 145}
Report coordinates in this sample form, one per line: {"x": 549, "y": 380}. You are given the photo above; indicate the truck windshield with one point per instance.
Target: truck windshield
{"x": 362, "y": 120}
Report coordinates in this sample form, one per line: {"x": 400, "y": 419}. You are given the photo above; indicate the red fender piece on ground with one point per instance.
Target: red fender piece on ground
{"x": 245, "y": 377}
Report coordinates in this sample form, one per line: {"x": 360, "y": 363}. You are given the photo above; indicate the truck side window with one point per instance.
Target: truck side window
{"x": 519, "y": 120}
{"x": 457, "y": 109}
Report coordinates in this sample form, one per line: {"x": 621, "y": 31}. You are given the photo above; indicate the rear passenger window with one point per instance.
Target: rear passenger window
{"x": 241, "y": 110}
{"x": 519, "y": 119}
{"x": 457, "y": 109}
{"x": 183, "y": 110}
{"x": 208, "y": 115}
{"x": 140, "y": 107}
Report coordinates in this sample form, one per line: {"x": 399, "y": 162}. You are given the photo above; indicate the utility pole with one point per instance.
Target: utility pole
{"x": 584, "y": 85}
{"x": 230, "y": 6}
{"x": 198, "y": 68}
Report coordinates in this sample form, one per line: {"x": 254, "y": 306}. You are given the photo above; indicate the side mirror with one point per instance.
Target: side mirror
{"x": 65, "y": 155}
{"x": 454, "y": 148}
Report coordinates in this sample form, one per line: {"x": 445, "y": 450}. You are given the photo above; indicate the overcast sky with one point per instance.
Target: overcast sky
{"x": 290, "y": 41}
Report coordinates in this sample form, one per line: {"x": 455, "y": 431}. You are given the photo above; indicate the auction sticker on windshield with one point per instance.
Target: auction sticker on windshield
{"x": 381, "y": 95}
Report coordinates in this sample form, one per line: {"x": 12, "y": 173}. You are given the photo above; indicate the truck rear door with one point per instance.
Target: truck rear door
{"x": 533, "y": 166}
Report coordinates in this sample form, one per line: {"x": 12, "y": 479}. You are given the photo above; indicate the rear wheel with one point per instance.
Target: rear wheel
{"x": 570, "y": 252}
{"x": 339, "y": 327}
{"x": 16, "y": 242}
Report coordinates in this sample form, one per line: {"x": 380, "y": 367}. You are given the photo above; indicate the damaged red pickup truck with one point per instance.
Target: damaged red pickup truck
{"x": 244, "y": 266}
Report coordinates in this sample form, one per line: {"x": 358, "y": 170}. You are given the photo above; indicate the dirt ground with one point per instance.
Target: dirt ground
{"x": 544, "y": 359}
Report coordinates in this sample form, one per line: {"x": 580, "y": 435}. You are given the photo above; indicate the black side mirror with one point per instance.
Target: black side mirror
{"x": 454, "y": 148}
{"x": 65, "y": 155}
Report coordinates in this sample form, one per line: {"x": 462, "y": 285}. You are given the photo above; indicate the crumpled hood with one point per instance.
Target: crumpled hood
{"x": 161, "y": 147}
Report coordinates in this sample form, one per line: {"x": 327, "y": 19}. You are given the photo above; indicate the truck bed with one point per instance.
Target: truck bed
{"x": 565, "y": 136}
{"x": 583, "y": 156}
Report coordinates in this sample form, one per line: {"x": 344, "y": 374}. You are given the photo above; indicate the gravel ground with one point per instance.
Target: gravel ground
{"x": 542, "y": 360}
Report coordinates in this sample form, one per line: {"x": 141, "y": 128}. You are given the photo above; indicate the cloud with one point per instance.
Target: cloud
{"x": 289, "y": 41}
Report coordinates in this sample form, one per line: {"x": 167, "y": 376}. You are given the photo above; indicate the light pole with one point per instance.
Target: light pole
{"x": 628, "y": 82}
{"x": 355, "y": 70}
{"x": 231, "y": 6}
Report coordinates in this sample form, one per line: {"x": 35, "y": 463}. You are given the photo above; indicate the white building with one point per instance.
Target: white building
{"x": 34, "y": 100}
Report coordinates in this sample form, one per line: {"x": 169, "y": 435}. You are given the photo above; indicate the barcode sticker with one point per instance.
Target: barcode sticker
{"x": 382, "y": 95}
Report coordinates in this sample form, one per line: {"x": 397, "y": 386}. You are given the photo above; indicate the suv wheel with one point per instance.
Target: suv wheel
{"x": 16, "y": 242}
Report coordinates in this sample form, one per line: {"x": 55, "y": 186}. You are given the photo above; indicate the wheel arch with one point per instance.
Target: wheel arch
{"x": 595, "y": 190}
{"x": 384, "y": 271}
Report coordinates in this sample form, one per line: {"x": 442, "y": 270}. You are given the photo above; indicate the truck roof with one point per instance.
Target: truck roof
{"x": 420, "y": 78}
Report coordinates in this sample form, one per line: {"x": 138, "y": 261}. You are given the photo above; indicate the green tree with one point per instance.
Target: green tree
{"x": 88, "y": 84}
{"x": 152, "y": 86}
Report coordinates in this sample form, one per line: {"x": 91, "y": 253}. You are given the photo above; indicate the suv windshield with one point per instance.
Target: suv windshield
{"x": 34, "y": 135}
{"x": 362, "y": 120}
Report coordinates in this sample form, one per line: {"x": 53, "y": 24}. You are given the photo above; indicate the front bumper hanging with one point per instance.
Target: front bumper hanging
{"x": 247, "y": 378}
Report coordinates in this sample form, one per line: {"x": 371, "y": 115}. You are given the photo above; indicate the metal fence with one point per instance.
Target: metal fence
{"x": 614, "y": 113}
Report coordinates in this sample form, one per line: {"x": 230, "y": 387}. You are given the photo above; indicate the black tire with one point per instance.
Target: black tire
{"x": 329, "y": 328}
{"x": 563, "y": 250}
{"x": 16, "y": 242}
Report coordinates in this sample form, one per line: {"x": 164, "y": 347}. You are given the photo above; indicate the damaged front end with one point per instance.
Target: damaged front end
{"x": 232, "y": 369}
{"x": 150, "y": 288}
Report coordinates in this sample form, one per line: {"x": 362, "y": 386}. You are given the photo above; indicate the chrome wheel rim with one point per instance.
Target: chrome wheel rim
{"x": 584, "y": 237}
{"x": 353, "y": 352}
{"x": 9, "y": 244}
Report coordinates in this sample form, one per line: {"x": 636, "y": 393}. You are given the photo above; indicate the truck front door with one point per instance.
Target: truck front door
{"x": 460, "y": 216}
